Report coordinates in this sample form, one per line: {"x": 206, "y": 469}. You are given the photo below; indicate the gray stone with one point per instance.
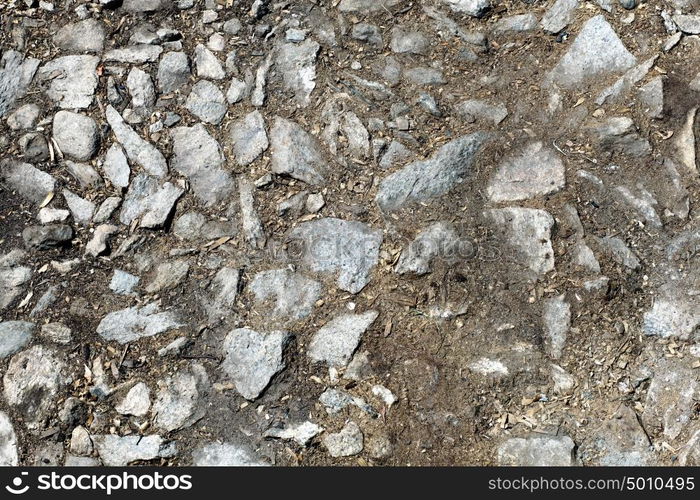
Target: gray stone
{"x": 72, "y": 80}
{"x": 24, "y": 117}
{"x": 251, "y": 359}
{"x": 47, "y": 237}
{"x": 257, "y": 97}
{"x": 439, "y": 240}
{"x": 134, "y": 54}
{"x": 297, "y": 63}
{"x": 225, "y": 455}
{"x": 56, "y": 332}
{"x": 516, "y": 24}
{"x": 248, "y": 138}
{"x": 619, "y": 442}
{"x": 474, "y": 8}
{"x": 138, "y": 150}
{"x": 206, "y": 102}
{"x": 253, "y": 230}
{"x": 76, "y": 135}
{"x": 34, "y": 147}
{"x": 366, "y": 5}
{"x": 291, "y": 295}
{"x": 626, "y": 82}
{"x": 207, "y": 64}
{"x": 8, "y": 442}
{"x": 138, "y": 6}
{"x": 348, "y": 249}
{"x": 73, "y": 461}
{"x": 168, "y": 275}
{"x": 16, "y": 74}
{"x": 619, "y": 134}
{"x": 674, "y": 312}
{"x": 84, "y": 174}
{"x": 537, "y": 451}
{"x": 150, "y": 201}
{"x": 48, "y": 215}
{"x": 684, "y": 143}
{"x": 535, "y": 171}
{"x": 32, "y": 380}
{"x": 123, "y": 283}
{"x": 141, "y": 89}
{"x": 301, "y": 433}
{"x": 193, "y": 226}
{"x": 81, "y": 209}
{"x": 527, "y": 231}
{"x": 337, "y": 340}
{"x": 296, "y": 153}
{"x": 367, "y": 33}
{"x": 107, "y": 209}
{"x": 99, "y": 244}
{"x": 180, "y": 401}
{"x": 422, "y": 180}
{"x": 221, "y": 293}
{"x": 556, "y": 321}
{"x": 408, "y": 42}
{"x": 80, "y": 442}
{"x": 293, "y": 205}
{"x": 133, "y": 323}
{"x": 584, "y": 257}
{"x": 116, "y": 167}
{"x": 237, "y": 90}
{"x": 481, "y": 111}
{"x": 671, "y": 397}
{"x": 28, "y": 181}
{"x": 558, "y": 16}
{"x": 120, "y": 451}
{"x": 173, "y": 72}
{"x": 232, "y": 26}
{"x": 596, "y": 52}
{"x": 12, "y": 276}
{"x": 197, "y": 156}
{"x": 688, "y": 23}
{"x": 424, "y": 76}
{"x": 651, "y": 95}
{"x": 620, "y": 252}
{"x": 14, "y": 335}
{"x": 345, "y": 443}
{"x": 83, "y": 36}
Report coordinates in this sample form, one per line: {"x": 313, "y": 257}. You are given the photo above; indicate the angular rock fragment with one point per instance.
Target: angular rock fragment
{"x": 120, "y": 451}
{"x": 173, "y": 72}
{"x": 116, "y": 167}
{"x": 345, "y": 443}
{"x": 619, "y": 442}
{"x": 291, "y": 295}
{"x": 197, "y": 156}
{"x": 252, "y": 226}
{"x": 558, "y": 16}
{"x": 296, "y": 62}
{"x": 671, "y": 397}
{"x": 133, "y": 323}
{"x": 251, "y": 359}
{"x": 425, "y": 179}
{"x": 150, "y": 201}
{"x": 536, "y": 171}
{"x": 206, "y": 102}
{"x": 47, "y": 237}
{"x": 134, "y": 54}
{"x": 337, "y": 340}
{"x": 537, "y": 451}
{"x": 439, "y": 240}
{"x": 8, "y": 442}
{"x": 70, "y": 80}
{"x": 348, "y": 249}
{"x": 12, "y": 276}
{"x": 221, "y": 293}
{"x": 83, "y": 36}
{"x": 168, "y": 275}
{"x": 596, "y": 52}
{"x": 16, "y": 74}
{"x": 137, "y": 401}
{"x": 248, "y": 138}
{"x": 225, "y": 455}
{"x": 139, "y": 151}
{"x": 301, "y": 433}
{"x": 527, "y": 231}
{"x": 81, "y": 209}
{"x": 556, "y": 319}
{"x": 99, "y": 243}
{"x": 180, "y": 399}
{"x": 296, "y": 153}
{"x": 32, "y": 381}
{"x": 28, "y": 181}
{"x": 207, "y": 64}
{"x": 14, "y": 335}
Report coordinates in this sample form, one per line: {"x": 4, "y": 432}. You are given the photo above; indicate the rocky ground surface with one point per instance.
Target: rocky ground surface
{"x": 352, "y": 232}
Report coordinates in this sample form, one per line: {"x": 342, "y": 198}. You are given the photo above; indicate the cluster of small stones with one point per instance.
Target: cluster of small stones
{"x": 217, "y": 216}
